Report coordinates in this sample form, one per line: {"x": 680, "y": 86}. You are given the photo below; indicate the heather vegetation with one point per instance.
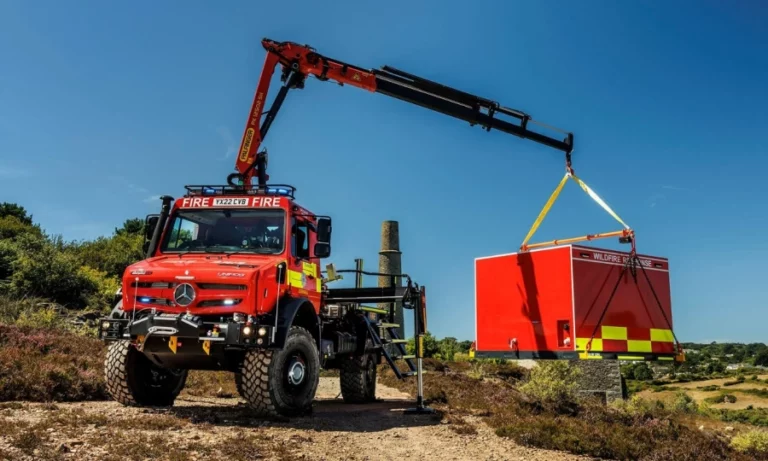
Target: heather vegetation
{"x": 540, "y": 408}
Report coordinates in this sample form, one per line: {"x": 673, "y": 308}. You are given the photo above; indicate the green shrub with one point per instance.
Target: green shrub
{"x": 723, "y": 397}
{"x": 44, "y": 271}
{"x": 709, "y": 388}
{"x": 738, "y": 380}
{"x": 684, "y": 403}
{"x": 637, "y": 406}
{"x": 110, "y": 254}
{"x": 754, "y": 442}
{"x": 44, "y": 317}
{"x": 461, "y": 357}
{"x": 29, "y": 312}
{"x": 105, "y": 288}
{"x": 754, "y": 416}
{"x": 12, "y": 227}
{"x": 9, "y": 253}
{"x": 553, "y": 383}
{"x": 762, "y": 393}
{"x": 477, "y": 370}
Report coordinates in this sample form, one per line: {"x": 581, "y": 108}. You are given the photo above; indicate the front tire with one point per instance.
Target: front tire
{"x": 133, "y": 380}
{"x": 282, "y": 382}
{"x": 239, "y": 384}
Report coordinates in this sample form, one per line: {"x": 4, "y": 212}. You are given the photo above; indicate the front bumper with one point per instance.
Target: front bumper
{"x": 182, "y": 331}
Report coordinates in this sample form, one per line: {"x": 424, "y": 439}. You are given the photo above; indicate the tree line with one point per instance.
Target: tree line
{"x": 74, "y": 274}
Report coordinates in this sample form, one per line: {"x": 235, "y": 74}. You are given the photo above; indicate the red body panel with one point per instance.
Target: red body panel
{"x": 530, "y": 297}
{"x": 522, "y": 297}
{"x": 633, "y": 306}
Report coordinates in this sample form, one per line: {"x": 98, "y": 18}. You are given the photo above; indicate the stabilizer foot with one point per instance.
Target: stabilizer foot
{"x": 420, "y": 408}
{"x": 419, "y": 411}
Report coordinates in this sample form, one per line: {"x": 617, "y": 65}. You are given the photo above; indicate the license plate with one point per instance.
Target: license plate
{"x": 230, "y": 201}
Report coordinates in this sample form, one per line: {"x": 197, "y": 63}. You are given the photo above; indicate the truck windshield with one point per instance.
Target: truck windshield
{"x": 215, "y": 230}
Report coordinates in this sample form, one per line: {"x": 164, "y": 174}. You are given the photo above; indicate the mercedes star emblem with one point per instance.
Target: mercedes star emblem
{"x": 184, "y": 294}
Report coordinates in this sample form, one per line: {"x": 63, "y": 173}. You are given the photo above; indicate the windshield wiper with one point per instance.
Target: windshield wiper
{"x": 258, "y": 251}
{"x": 215, "y": 249}
{"x": 220, "y": 249}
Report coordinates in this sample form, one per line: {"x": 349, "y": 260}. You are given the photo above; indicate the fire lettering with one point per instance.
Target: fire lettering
{"x": 266, "y": 201}
{"x": 196, "y": 202}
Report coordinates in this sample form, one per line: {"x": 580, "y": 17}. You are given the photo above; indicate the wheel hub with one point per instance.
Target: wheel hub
{"x": 296, "y": 373}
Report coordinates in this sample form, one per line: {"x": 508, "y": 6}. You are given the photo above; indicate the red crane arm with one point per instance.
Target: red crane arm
{"x": 299, "y": 61}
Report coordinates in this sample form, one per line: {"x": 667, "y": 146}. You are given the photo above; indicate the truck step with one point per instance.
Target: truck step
{"x": 407, "y": 357}
{"x": 397, "y": 341}
{"x": 389, "y": 325}
{"x": 409, "y": 373}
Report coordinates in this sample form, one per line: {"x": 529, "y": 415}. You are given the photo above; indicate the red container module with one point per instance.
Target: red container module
{"x": 547, "y": 304}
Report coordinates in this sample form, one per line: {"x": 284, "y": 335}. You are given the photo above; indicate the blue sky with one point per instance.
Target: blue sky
{"x": 104, "y": 106}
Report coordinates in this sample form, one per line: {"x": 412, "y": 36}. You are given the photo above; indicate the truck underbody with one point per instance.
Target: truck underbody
{"x": 151, "y": 351}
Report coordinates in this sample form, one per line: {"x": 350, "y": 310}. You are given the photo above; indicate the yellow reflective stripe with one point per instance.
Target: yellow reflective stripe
{"x": 581, "y": 344}
{"x": 630, "y": 357}
{"x": 639, "y": 346}
{"x": 545, "y": 210}
{"x": 599, "y": 201}
{"x": 590, "y": 356}
{"x": 309, "y": 268}
{"x": 662, "y": 336}
{"x": 294, "y": 279}
{"x": 319, "y": 285}
{"x": 666, "y": 358}
{"x": 615, "y": 333}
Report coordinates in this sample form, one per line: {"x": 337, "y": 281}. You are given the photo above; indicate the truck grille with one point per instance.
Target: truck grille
{"x": 221, "y": 286}
{"x": 152, "y": 284}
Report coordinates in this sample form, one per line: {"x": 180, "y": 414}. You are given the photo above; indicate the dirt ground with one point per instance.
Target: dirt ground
{"x": 199, "y": 428}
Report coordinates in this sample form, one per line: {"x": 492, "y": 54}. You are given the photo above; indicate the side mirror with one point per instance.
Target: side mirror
{"x": 145, "y": 247}
{"x": 322, "y": 250}
{"x": 324, "y": 231}
{"x": 149, "y": 226}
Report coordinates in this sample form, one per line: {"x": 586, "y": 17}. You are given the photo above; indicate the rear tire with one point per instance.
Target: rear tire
{"x": 282, "y": 382}
{"x": 358, "y": 378}
{"x": 135, "y": 381}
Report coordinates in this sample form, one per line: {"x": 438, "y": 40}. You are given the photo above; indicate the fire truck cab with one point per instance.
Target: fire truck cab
{"x": 231, "y": 281}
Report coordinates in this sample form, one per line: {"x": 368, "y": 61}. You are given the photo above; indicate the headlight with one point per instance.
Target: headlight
{"x": 262, "y": 331}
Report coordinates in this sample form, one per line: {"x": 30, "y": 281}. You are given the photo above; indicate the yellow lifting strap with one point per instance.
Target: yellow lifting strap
{"x": 569, "y": 174}
{"x": 597, "y": 199}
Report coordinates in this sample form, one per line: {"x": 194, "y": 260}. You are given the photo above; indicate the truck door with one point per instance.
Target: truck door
{"x": 304, "y": 274}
